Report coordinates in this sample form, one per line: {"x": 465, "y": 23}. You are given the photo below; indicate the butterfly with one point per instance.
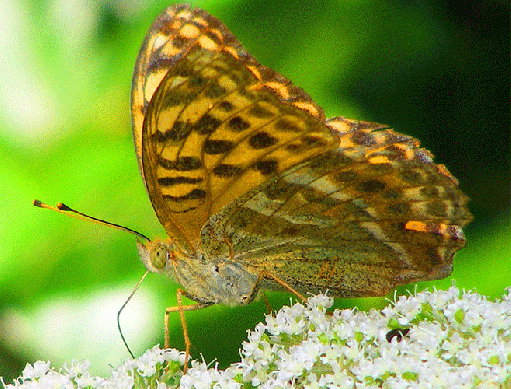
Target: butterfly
{"x": 256, "y": 189}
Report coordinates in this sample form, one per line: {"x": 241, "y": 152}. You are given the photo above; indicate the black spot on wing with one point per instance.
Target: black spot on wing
{"x": 261, "y": 140}
{"x": 225, "y": 170}
{"x": 169, "y": 181}
{"x": 266, "y": 167}
{"x": 195, "y": 194}
{"x": 179, "y": 131}
{"x": 260, "y": 112}
{"x": 237, "y": 124}
{"x": 207, "y": 124}
{"x": 371, "y": 186}
{"x": 226, "y": 106}
{"x": 182, "y": 163}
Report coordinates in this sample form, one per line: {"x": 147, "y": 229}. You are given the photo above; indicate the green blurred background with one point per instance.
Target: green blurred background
{"x": 436, "y": 70}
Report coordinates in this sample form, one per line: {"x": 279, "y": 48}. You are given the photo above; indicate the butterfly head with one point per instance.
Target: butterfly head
{"x": 156, "y": 256}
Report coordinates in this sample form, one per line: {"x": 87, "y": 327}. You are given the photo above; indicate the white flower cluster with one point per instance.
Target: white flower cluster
{"x": 149, "y": 370}
{"x": 452, "y": 342}
{"x": 431, "y": 340}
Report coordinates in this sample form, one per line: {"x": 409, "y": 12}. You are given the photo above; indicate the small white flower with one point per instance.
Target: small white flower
{"x": 320, "y": 301}
{"x": 76, "y": 368}
{"x": 119, "y": 380}
{"x": 86, "y": 380}
{"x": 39, "y": 369}
{"x": 55, "y": 380}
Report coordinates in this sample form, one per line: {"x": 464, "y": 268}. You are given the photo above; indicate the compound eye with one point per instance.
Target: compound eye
{"x": 159, "y": 256}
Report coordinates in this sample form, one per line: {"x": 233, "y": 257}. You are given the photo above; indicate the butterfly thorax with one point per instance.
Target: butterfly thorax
{"x": 206, "y": 281}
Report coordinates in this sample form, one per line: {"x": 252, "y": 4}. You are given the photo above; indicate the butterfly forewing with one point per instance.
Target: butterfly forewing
{"x": 218, "y": 125}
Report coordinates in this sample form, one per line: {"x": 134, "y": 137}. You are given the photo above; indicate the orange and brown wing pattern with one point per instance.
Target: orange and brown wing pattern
{"x": 372, "y": 214}
{"x": 210, "y": 123}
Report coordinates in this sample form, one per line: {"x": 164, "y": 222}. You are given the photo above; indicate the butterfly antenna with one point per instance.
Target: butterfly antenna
{"x": 64, "y": 209}
{"x": 123, "y": 306}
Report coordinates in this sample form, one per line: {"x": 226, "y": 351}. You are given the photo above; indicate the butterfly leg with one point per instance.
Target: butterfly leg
{"x": 181, "y": 309}
{"x": 267, "y": 303}
{"x": 228, "y": 242}
{"x": 284, "y": 284}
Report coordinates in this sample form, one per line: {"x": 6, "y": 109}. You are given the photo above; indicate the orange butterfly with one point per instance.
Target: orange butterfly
{"x": 258, "y": 190}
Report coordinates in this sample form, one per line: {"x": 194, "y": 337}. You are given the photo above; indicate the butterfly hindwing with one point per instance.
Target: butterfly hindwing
{"x": 356, "y": 220}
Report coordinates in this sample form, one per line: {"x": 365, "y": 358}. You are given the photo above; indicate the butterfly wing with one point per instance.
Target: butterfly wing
{"x": 372, "y": 214}
{"x": 210, "y": 123}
